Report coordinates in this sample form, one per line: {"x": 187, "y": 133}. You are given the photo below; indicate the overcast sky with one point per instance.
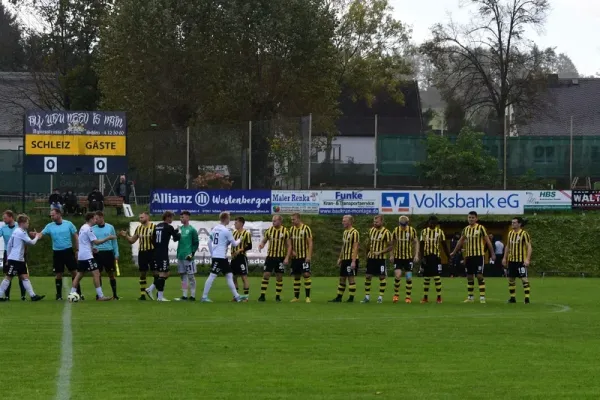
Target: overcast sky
{"x": 573, "y": 26}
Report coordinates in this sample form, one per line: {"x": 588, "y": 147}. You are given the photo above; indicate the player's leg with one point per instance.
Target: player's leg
{"x": 243, "y": 271}
{"x": 382, "y": 280}
{"x": 437, "y": 279}
{"x": 5, "y": 284}
{"x": 470, "y": 272}
{"x": 24, "y": 277}
{"x": 23, "y": 289}
{"x": 182, "y": 270}
{"x": 368, "y": 280}
{"x": 426, "y": 278}
{"x": 143, "y": 283}
{"x": 512, "y": 285}
{"x": 297, "y": 287}
{"x": 5, "y": 272}
{"x": 278, "y": 284}
{"x": 226, "y": 269}
{"x": 113, "y": 282}
{"x": 341, "y": 286}
{"x": 268, "y": 268}
{"x": 351, "y": 286}
{"x": 71, "y": 264}
{"x": 481, "y": 280}
{"x": 307, "y": 280}
{"x": 96, "y": 277}
{"x": 525, "y": 281}
{"x": 163, "y": 275}
{"x": 397, "y": 281}
{"x": 59, "y": 268}
{"x": 214, "y": 272}
{"x": 409, "y": 283}
{"x": 192, "y": 286}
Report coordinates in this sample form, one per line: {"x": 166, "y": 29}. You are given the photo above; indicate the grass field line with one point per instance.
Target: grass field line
{"x": 63, "y": 384}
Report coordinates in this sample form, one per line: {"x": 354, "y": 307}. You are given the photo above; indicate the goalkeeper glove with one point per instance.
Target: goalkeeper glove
{"x": 189, "y": 257}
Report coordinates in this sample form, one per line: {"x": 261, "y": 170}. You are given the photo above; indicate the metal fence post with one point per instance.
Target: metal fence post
{"x": 249, "y": 155}
{"x": 375, "y": 165}
{"x": 309, "y": 146}
{"x": 187, "y": 159}
{"x": 571, "y": 153}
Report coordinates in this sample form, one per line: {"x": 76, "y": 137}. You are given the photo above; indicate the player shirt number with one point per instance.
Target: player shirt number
{"x": 216, "y": 238}
{"x": 158, "y": 236}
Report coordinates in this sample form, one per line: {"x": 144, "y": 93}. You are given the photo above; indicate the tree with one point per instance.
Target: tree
{"x": 207, "y": 63}
{"x": 61, "y": 50}
{"x": 562, "y": 65}
{"x": 489, "y": 65}
{"x": 462, "y": 164}
{"x": 12, "y": 53}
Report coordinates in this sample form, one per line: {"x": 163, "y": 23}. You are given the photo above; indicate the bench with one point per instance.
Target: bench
{"x": 41, "y": 205}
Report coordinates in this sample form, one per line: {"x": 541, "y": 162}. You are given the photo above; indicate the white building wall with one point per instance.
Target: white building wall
{"x": 360, "y": 150}
{"x": 10, "y": 143}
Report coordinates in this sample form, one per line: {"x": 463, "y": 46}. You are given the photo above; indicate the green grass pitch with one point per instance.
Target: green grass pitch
{"x": 130, "y": 349}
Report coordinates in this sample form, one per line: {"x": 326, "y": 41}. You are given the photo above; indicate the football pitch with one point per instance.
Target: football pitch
{"x": 130, "y": 349}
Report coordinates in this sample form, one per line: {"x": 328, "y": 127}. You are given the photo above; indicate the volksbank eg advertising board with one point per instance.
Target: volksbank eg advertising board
{"x": 68, "y": 142}
{"x": 451, "y": 202}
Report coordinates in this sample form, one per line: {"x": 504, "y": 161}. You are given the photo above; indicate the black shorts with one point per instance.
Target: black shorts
{"x": 161, "y": 264}
{"x": 64, "y": 258}
{"x": 376, "y": 266}
{"x": 517, "y": 270}
{"x": 15, "y": 268}
{"x": 346, "y": 268}
{"x": 87, "y": 265}
{"x": 105, "y": 261}
{"x": 4, "y": 258}
{"x": 239, "y": 265}
{"x": 474, "y": 265}
{"x": 220, "y": 266}
{"x": 300, "y": 266}
{"x": 274, "y": 265}
{"x": 432, "y": 266}
{"x": 146, "y": 261}
{"x": 403, "y": 264}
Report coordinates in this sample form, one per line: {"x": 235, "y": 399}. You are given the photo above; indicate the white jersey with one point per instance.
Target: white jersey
{"x": 86, "y": 239}
{"x": 16, "y": 245}
{"x": 499, "y": 247}
{"x": 220, "y": 239}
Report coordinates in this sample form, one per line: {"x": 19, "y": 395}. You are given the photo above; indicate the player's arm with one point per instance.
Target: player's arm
{"x": 392, "y": 246}
{"x": 175, "y": 234}
{"x": 264, "y": 241}
{"x": 97, "y": 241}
{"x": 309, "y": 241}
{"x": 416, "y": 246}
{"x": 195, "y": 242}
{"x": 115, "y": 243}
{"x": 529, "y": 251}
{"x": 445, "y": 246}
{"x": 131, "y": 239}
{"x": 506, "y": 255}
{"x": 459, "y": 245}
{"x": 288, "y": 242}
{"x": 25, "y": 237}
{"x": 75, "y": 237}
{"x": 210, "y": 242}
{"x": 355, "y": 249}
{"x": 248, "y": 240}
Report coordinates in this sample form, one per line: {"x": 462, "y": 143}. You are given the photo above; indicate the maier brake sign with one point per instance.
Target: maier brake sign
{"x": 93, "y": 142}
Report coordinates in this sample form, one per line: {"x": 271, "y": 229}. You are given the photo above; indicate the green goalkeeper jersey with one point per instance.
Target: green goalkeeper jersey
{"x": 188, "y": 244}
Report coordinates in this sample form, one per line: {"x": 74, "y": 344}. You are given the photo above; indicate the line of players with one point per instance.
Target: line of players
{"x": 296, "y": 245}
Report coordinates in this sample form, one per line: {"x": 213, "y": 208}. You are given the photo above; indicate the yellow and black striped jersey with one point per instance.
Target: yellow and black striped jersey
{"x": 405, "y": 239}
{"x": 432, "y": 240}
{"x": 144, "y": 234}
{"x": 246, "y": 240}
{"x": 349, "y": 237}
{"x": 517, "y": 245}
{"x": 277, "y": 238}
{"x": 379, "y": 240}
{"x": 474, "y": 240}
{"x": 300, "y": 236}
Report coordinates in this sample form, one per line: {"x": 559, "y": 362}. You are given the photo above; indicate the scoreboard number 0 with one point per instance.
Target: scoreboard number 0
{"x": 100, "y": 165}
{"x": 50, "y": 164}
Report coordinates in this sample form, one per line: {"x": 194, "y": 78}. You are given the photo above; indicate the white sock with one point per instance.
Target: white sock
{"x": 28, "y": 287}
{"x": 73, "y": 290}
{"x": 368, "y": 296}
{"x": 99, "y": 292}
{"x": 184, "y": 284}
{"x": 231, "y": 285}
{"x": 3, "y": 286}
{"x": 161, "y": 295}
{"x": 192, "y": 279}
{"x": 151, "y": 288}
{"x": 208, "y": 284}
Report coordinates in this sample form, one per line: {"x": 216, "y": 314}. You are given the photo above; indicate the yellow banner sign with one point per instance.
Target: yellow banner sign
{"x": 75, "y": 145}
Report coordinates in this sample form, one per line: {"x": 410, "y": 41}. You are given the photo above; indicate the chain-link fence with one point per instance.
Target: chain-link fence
{"x": 315, "y": 152}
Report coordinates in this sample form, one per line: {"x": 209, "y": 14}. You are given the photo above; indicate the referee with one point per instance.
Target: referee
{"x": 144, "y": 233}
{"x": 64, "y": 241}
{"x": 107, "y": 253}
{"x": 7, "y": 230}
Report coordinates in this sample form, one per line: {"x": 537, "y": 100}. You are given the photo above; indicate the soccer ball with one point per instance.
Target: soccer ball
{"x": 73, "y": 297}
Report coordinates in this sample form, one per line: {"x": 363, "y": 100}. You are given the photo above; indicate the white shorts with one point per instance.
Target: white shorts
{"x": 186, "y": 267}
